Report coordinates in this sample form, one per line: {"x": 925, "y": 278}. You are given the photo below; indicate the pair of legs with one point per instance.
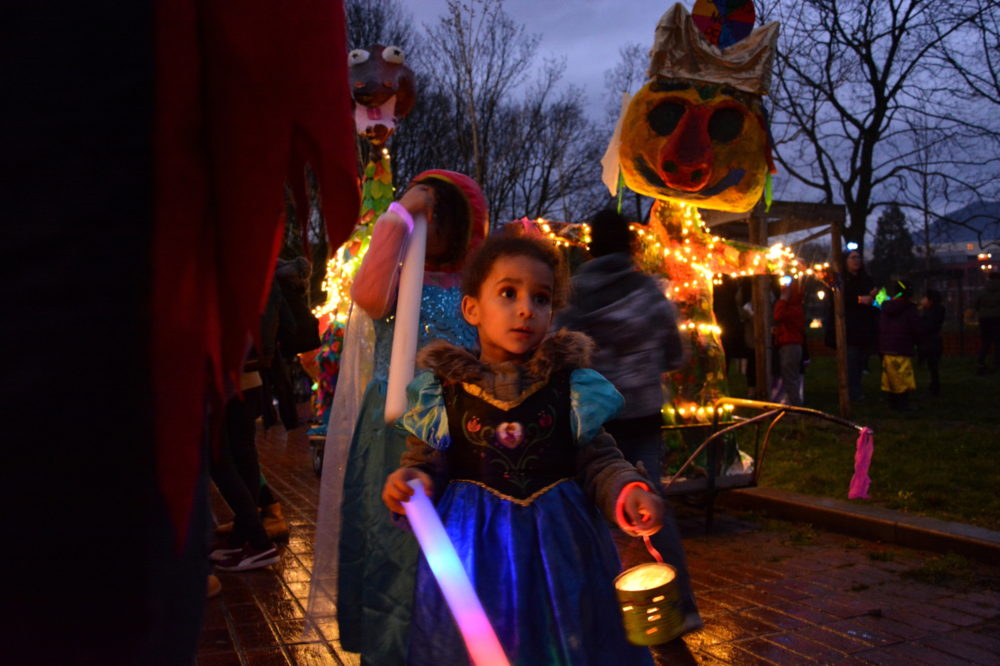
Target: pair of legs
{"x": 989, "y": 340}
{"x": 278, "y": 386}
{"x": 857, "y": 360}
{"x": 898, "y": 380}
{"x": 236, "y": 470}
{"x": 933, "y": 360}
{"x": 790, "y": 371}
{"x": 641, "y": 440}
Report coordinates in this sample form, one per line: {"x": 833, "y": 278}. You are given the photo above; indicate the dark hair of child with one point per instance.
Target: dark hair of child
{"x": 506, "y": 245}
{"x": 934, "y": 296}
{"x": 452, "y": 213}
{"x": 609, "y": 233}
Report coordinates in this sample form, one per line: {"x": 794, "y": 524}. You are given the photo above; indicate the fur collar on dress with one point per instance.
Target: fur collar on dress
{"x": 563, "y": 349}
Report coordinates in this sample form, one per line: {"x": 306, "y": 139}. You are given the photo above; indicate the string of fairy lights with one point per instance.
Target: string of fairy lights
{"x": 778, "y": 259}
{"x": 698, "y": 260}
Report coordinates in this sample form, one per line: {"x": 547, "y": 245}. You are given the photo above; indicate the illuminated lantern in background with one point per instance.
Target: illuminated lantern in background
{"x": 695, "y": 136}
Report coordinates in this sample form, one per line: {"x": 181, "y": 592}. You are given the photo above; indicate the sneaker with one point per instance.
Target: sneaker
{"x": 225, "y": 529}
{"x": 224, "y": 553}
{"x": 692, "y": 622}
{"x": 249, "y": 558}
{"x": 274, "y": 522}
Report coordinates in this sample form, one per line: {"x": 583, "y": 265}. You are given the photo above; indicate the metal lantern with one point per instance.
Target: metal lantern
{"x": 650, "y": 604}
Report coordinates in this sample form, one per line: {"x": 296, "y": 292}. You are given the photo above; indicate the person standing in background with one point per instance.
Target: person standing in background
{"x": 898, "y": 335}
{"x": 789, "y": 339}
{"x": 861, "y": 319}
{"x": 988, "y": 311}
{"x": 930, "y": 346}
{"x": 635, "y": 328}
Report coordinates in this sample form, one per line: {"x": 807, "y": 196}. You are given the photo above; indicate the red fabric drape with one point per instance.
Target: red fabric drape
{"x": 246, "y": 93}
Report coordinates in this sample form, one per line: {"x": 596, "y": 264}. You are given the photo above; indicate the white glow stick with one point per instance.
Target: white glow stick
{"x": 404, "y": 336}
{"x": 477, "y": 632}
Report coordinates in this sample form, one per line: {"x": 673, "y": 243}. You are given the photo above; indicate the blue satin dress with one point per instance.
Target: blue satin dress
{"x": 377, "y": 559}
{"x": 537, "y": 550}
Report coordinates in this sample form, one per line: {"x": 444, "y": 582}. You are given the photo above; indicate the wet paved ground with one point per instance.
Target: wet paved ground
{"x": 769, "y": 592}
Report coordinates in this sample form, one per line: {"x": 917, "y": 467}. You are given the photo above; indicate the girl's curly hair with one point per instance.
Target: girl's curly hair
{"x": 508, "y": 245}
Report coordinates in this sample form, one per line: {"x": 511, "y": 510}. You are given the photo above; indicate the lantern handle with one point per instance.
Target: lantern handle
{"x": 652, "y": 550}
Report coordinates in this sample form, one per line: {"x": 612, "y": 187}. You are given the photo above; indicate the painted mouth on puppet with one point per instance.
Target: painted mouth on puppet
{"x": 731, "y": 179}
{"x": 366, "y": 118}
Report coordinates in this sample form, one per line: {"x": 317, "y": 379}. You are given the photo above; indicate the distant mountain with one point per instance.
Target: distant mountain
{"x": 975, "y": 223}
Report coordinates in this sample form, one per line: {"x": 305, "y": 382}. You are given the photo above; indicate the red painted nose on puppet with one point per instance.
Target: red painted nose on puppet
{"x": 686, "y": 158}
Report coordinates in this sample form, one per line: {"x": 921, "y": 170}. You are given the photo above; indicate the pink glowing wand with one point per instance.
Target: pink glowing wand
{"x": 477, "y": 632}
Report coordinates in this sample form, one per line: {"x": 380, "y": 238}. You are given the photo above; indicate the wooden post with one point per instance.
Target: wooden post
{"x": 761, "y": 312}
{"x": 837, "y": 261}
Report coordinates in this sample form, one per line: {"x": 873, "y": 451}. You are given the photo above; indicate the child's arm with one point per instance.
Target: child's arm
{"x": 638, "y": 511}
{"x": 374, "y": 287}
{"x": 617, "y": 488}
{"x": 419, "y": 461}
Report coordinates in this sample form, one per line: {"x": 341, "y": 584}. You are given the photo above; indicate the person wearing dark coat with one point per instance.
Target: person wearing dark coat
{"x": 635, "y": 329}
{"x": 988, "y": 312}
{"x": 930, "y": 346}
{"x": 899, "y": 330}
{"x": 861, "y": 320}
{"x": 727, "y": 316}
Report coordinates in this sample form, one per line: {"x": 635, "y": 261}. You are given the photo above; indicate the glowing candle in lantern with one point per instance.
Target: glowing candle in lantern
{"x": 404, "y": 335}
{"x": 477, "y": 632}
{"x": 650, "y": 603}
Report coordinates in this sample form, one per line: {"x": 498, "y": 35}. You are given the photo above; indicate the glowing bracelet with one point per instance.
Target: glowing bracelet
{"x": 477, "y": 632}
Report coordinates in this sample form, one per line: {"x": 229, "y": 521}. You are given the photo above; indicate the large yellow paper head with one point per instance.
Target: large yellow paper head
{"x": 700, "y": 143}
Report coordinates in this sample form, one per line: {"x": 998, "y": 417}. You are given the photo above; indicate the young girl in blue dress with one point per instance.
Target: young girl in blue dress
{"x": 508, "y": 441}
{"x": 374, "y": 570}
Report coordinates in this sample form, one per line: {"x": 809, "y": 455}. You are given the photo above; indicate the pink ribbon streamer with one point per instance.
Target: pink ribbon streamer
{"x": 862, "y": 461}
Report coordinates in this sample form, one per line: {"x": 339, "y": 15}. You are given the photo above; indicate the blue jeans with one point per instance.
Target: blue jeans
{"x": 646, "y": 445}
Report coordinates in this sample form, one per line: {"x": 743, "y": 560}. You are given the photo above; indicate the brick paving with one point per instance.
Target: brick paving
{"x": 769, "y": 592}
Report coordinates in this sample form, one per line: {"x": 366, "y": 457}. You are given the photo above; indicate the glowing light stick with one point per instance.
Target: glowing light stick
{"x": 881, "y": 297}
{"x": 404, "y": 336}
{"x": 477, "y": 632}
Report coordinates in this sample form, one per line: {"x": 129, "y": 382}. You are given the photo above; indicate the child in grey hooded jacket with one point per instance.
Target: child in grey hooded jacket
{"x": 635, "y": 329}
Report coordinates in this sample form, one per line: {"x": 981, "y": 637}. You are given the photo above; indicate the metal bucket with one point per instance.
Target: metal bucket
{"x": 650, "y": 604}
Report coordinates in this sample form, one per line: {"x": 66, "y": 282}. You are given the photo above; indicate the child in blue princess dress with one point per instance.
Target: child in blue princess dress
{"x": 509, "y": 443}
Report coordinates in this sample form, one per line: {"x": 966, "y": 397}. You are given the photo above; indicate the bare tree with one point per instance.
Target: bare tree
{"x": 487, "y": 108}
{"x": 484, "y": 57}
{"x": 852, "y": 80}
{"x": 974, "y": 58}
{"x": 626, "y": 77}
{"x": 382, "y": 22}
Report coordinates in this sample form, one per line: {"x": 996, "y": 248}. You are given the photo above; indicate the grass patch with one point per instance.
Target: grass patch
{"x": 944, "y": 570}
{"x": 802, "y": 535}
{"x": 881, "y": 556}
{"x": 939, "y": 461}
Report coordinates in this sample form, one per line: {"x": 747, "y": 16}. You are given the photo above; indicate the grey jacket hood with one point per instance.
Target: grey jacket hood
{"x": 633, "y": 325}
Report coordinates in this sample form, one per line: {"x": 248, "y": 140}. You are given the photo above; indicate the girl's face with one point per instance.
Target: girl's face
{"x": 513, "y": 310}
{"x": 421, "y": 196}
